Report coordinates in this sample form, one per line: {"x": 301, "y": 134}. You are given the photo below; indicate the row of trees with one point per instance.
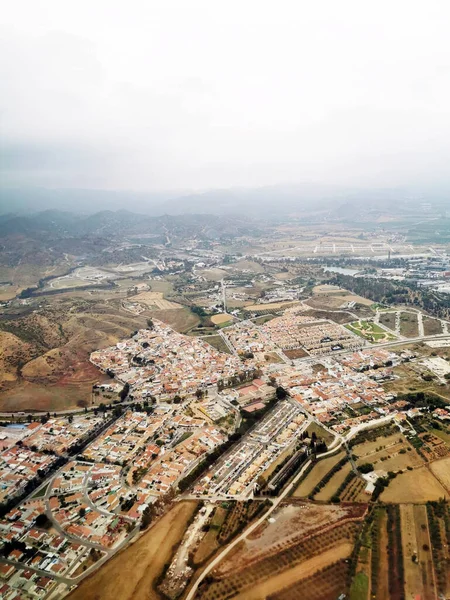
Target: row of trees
{"x": 322, "y": 483}
{"x": 395, "y": 552}
{"x": 386, "y": 291}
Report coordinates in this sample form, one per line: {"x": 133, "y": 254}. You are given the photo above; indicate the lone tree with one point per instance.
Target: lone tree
{"x": 124, "y": 391}
{"x": 43, "y": 521}
{"x": 150, "y": 324}
{"x": 281, "y": 393}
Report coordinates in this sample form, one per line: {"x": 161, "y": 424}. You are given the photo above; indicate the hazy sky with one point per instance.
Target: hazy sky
{"x": 185, "y": 94}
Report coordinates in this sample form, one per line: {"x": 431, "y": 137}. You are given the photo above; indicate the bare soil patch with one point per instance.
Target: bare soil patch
{"x": 222, "y": 318}
{"x": 416, "y": 486}
{"x": 269, "y": 306}
{"x": 408, "y": 324}
{"x": 388, "y": 319}
{"x": 432, "y": 326}
{"x": 154, "y": 300}
{"x": 297, "y": 353}
{"x": 441, "y": 469}
{"x": 132, "y": 573}
{"x": 181, "y": 319}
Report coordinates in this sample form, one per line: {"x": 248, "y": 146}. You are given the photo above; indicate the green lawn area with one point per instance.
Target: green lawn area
{"x": 369, "y": 331}
{"x": 41, "y": 493}
{"x": 360, "y": 587}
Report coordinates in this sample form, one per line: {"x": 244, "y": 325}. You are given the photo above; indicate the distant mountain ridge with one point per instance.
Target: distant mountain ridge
{"x": 266, "y": 202}
{"x": 121, "y": 222}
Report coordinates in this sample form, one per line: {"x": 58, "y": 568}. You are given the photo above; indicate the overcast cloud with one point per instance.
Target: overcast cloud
{"x": 148, "y": 95}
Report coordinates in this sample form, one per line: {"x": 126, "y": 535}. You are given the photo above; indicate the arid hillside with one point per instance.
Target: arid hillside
{"x": 44, "y": 356}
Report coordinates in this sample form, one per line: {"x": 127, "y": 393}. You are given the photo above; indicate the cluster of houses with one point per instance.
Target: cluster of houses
{"x": 159, "y": 362}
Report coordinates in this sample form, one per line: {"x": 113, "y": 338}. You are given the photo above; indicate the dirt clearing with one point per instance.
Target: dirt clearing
{"x": 154, "y": 300}
{"x": 441, "y": 469}
{"x": 416, "y": 486}
{"x": 222, "y": 318}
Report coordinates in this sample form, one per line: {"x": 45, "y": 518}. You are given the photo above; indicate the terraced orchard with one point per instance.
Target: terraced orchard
{"x": 304, "y": 542}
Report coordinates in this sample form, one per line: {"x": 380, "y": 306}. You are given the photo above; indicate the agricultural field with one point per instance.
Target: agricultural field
{"x": 395, "y": 553}
{"x": 354, "y": 491}
{"x": 337, "y": 316}
{"x": 441, "y": 470}
{"x": 182, "y": 320}
{"x": 359, "y": 588}
{"x": 318, "y": 472}
{"x": 293, "y": 520}
{"x": 416, "y": 486}
{"x": 290, "y": 576}
{"x": 417, "y": 556}
{"x": 154, "y": 300}
{"x": 379, "y": 556}
{"x": 263, "y": 319}
{"x": 330, "y": 488}
{"x": 142, "y": 562}
{"x": 408, "y": 324}
{"x": 248, "y": 265}
{"x": 441, "y": 434}
{"x": 327, "y": 584}
{"x": 434, "y": 447}
{"x": 392, "y": 454}
{"x": 370, "y": 331}
{"x": 239, "y": 514}
{"x": 374, "y": 450}
{"x": 278, "y": 566}
{"x": 213, "y": 274}
{"x": 438, "y": 517}
{"x": 333, "y": 297}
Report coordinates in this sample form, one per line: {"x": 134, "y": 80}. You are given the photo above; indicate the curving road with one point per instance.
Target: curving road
{"x": 276, "y": 502}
